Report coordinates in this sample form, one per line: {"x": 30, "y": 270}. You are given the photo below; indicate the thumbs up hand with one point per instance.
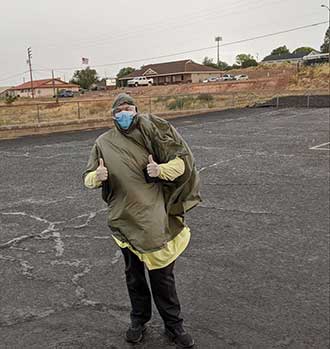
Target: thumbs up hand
{"x": 101, "y": 172}
{"x": 153, "y": 168}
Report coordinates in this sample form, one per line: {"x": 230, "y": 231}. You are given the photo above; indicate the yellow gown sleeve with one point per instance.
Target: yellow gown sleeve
{"x": 172, "y": 169}
{"x": 91, "y": 181}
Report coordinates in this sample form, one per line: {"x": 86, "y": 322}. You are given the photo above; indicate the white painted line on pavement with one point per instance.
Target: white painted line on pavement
{"x": 320, "y": 147}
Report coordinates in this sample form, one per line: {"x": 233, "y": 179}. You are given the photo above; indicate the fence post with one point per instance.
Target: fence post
{"x": 150, "y": 105}
{"x": 277, "y": 101}
{"x": 78, "y": 105}
{"x": 38, "y": 114}
{"x": 307, "y": 101}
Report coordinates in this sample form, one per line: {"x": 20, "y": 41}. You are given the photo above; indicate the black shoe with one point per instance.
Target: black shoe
{"x": 181, "y": 339}
{"x": 135, "y": 334}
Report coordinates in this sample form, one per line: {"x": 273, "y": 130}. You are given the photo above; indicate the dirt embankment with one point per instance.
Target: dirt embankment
{"x": 270, "y": 78}
{"x": 312, "y": 78}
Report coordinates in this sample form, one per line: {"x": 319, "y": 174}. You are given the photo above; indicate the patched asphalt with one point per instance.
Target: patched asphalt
{"x": 255, "y": 274}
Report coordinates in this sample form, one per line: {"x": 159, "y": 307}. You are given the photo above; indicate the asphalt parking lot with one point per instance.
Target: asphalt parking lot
{"x": 255, "y": 274}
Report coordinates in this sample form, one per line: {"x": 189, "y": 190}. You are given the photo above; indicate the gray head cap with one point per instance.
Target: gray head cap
{"x": 121, "y": 99}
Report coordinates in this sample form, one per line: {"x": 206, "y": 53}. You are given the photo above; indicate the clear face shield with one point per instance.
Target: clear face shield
{"x": 124, "y": 108}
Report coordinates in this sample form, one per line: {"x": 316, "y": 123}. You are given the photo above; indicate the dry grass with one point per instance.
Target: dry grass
{"x": 46, "y": 112}
{"x": 312, "y": 78}
{"x": 25, "y": 111}
{"x": 51, "y": 112}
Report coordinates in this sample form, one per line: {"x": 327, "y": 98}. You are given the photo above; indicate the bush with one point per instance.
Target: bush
{"x": 205, "y": 97}
{"x": 10, "y": 99}
{"x": 162, "y": 99}
{"x": 181, "y": 103}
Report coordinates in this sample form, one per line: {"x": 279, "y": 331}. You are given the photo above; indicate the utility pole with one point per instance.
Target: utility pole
{"x": 328, "y": 8}
{"x": 30, "y": 66}
{"x": 218, "y": 39}
{"x": 54, "y": 90}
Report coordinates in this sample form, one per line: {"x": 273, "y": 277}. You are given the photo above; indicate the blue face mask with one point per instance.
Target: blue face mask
{"x": 124, "y": 119}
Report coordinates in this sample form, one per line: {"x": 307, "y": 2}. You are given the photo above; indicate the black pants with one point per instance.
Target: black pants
{"x": 163, "y": 291}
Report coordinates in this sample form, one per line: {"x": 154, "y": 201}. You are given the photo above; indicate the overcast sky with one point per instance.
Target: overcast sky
{"x": 107, "y": 32}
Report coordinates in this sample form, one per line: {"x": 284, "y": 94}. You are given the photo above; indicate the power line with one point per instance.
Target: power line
{"x": 237, "y": 7}
{"x": 276, "y": 33}
{"x": 14, "y": 76}
{"x": 152, "y": 25}
{"x": 195, "y": 50}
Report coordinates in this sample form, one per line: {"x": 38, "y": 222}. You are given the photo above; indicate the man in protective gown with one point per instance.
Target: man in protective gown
{"x": 149, "y": 180}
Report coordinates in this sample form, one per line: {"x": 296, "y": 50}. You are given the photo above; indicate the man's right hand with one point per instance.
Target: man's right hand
{"x": 101, "y": 172}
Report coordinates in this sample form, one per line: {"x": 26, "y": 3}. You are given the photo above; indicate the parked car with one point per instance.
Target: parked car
{"x": 211, "y": 79}
{"x": 228, "y": 77}
{"x": 140, "y": 81}
{"x": 65, "y": 93}
{"x": 241, "y": 77}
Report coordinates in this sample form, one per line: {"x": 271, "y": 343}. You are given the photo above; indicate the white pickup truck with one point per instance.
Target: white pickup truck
{"x": 140, "y": 81}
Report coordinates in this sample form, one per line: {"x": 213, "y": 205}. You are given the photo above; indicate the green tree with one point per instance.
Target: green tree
{"x": 249, "y": 63}
{"x": 209, "y": 63}
{"x": 124, "y": 72}
{"x": 305, "y": 50}
{"x": 243, "y": 57}
{"x": 85, "y": 78}
{"x": 280, "y": 50}
{"x": 223, "y": 65}
{"x": 325, "y": 45}
{"x": 246, "y": 60}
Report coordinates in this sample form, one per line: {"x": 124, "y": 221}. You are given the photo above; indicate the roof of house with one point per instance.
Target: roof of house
{"x": 44, "y": 83}
{"x": 4, "y": 88}
{"x": 167, "y": 68}
{"x": 285, "y": 56}
{"x": 316, "y": 55}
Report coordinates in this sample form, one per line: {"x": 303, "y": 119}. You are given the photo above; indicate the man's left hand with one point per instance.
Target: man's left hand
{"x": 153, "y": 168}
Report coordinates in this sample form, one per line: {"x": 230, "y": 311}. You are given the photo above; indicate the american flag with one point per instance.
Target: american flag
{"x": 84, "y": 60}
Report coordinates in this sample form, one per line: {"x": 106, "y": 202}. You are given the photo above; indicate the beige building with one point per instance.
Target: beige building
{"x": 4, "y": 91}
{"x": 42, "y": 88}
{"x": 185, "y": 71}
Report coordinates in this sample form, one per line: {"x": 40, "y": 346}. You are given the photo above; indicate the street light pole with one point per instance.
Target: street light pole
{"x": 328, "y": 8}
{"x": 218, "y": 39}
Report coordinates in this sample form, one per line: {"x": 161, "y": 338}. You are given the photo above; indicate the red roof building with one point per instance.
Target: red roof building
{"x": 43, "y": 88}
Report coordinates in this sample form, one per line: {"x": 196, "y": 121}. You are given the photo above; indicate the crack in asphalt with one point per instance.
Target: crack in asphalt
{"x": 218, "y": 163}
{"x": 55, "y": 234}
{"x": 26, "y": 267}
{"x": 29, "y": 155}
{"x": 90, "y": 216}
{"x": 238, "y": 210}
{"x": 52, "y": 231}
